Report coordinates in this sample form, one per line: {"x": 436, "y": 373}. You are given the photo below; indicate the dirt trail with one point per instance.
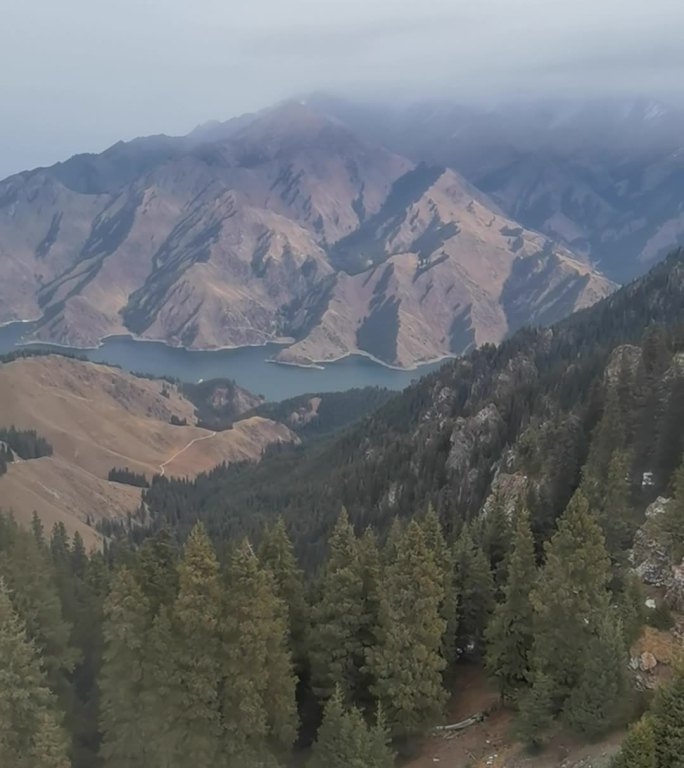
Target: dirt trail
{"x": 162, "y": 467}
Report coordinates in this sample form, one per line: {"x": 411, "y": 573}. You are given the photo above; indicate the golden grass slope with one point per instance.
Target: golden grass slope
{"x": 97, "y": 417}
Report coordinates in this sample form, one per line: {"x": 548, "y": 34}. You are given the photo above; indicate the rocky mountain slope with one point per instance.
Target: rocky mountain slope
{"x": 605, "y": 177}
{"x": 98, "y": 418}
{"x": 521, "y": 418}
{"x": 283, "y": 226}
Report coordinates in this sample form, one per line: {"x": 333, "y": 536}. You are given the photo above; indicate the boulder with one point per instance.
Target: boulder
{"x": 647, "y": 662}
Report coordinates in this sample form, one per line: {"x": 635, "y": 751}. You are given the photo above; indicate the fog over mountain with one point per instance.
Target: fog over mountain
{"x": 145, "y": 67}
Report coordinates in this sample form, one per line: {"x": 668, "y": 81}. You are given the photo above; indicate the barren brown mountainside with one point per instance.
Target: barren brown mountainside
{"x": 98, "y": 418}
{"x": 282, "y": 226}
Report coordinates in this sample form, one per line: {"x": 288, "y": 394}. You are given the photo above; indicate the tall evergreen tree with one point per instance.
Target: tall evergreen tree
{"x": 668, "y": 721}
{"x": 196, "y": 621}
{"x": 30, "y": 576}
{"x": 571, "y": 595}
{"x": 157, "y": 570}
{"x": 406, "y": 663}
{"x": 259, "y": 709}
{"x": 277, "y": 554}
{"x": 337, "y": 616}
{"x": 436, "y": 543}
{"x": 123, "y": 718}
{"x": 638, "y": 748}
{"x": 344, "y": 740}
{"x": 510, "y": 632}
{"x": 31, "y": 735}
{"x": 616, "y": 516}
{"x": 599, "y": 700}
{"x": 474, "y": 588}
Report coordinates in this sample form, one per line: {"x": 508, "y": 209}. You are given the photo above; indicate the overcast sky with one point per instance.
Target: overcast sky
{"x": 77, "y": 75}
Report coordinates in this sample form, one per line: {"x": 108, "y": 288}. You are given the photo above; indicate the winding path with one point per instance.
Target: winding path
{"x": 162, "y": 467}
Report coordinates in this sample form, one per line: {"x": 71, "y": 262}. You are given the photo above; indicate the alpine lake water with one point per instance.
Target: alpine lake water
{"x": 251, "y": 367}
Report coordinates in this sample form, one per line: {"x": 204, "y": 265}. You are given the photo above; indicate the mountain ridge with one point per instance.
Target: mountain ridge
{"x": 264, "y": 234}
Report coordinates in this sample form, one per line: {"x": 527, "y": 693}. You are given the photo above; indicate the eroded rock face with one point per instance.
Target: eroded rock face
{"x": 674, "y": 597}
{"x": 649, "y": 555}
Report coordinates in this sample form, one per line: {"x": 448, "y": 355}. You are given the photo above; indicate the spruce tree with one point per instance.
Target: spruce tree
{"x": 122, "y": 680}
{"x": 510, "y": 632}
{"x": 436, "y": 543}
{"x": 337, "y": 617}
{"x": 571, "y": 595}
{"x": 495, "y": 537}
{"x": 474, "y": 588}
{"x": 406, "y": 663}
{"x": 536, "y": 711}
{"x": 371, "y": 570}
{"x": 31, "y": 577}
{"x": 616, "y": 516}
{"x": 668, "y": 721}
{"x": 598, "y": 701}
{"x": 259, "y": 709}
{"x": 157, "y": 570}
{"x": 196, "y": 623}
{"x": 162, "y": 697}
{"x": 638, "y": 748}
{"x": 277, "y": 554}
{"x": 344, "y": 740}
{"x": 31, "y": 735}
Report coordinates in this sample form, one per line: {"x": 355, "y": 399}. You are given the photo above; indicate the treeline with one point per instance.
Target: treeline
{"x": 127, "y": 477}
{"x": 25, "y": 443}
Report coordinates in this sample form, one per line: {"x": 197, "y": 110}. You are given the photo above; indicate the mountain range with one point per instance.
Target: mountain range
{"x": 604, "y": 177}
{"x": 290, "y": 226}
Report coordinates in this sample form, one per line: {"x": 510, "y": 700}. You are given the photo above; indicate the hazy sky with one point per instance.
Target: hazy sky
{"x": 77, "y": 75}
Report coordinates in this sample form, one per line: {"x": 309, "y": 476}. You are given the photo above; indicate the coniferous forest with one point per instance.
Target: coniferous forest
{"x": 320, "y": 604}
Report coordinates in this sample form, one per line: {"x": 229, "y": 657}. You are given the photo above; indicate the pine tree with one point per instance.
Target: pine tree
{"x": 638, "y": 748}
{"x": 535, "y": 711}
{"x": 371, "y": 570}
{"x": 31, "y": 577}
{"x": 157, "y": 570}
{"x": 196, "y": 620}
{"x": 30, "y": 732}
{"x": 668, "y": 721}
{"x": 496, "y": 536}
{"x": 406, "y": 663}
{"x": 598, "y": 701}
{"x": 337, "y": 617}
{"x": 616, "y": 516}
{"x": 571, "y": 595}
{"x": 474, "y": 587}
{"x": 344, "y": 740}
{"x": 122, "y": 681}
{"x": 436, "y": 543}
{"x": 510, "y": 632}
{"x": 277, "y": 554}
{"x": 162, "y": 699}
{"x": 632, "y": 607}
{"x": 259, "y": 708}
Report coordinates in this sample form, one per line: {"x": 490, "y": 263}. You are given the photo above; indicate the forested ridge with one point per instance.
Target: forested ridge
{"x": 529, "y": 407}
{"x": 322, "y": 601}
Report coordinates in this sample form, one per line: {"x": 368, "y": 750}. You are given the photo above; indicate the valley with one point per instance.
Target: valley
{"x": 98, "y": 418}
